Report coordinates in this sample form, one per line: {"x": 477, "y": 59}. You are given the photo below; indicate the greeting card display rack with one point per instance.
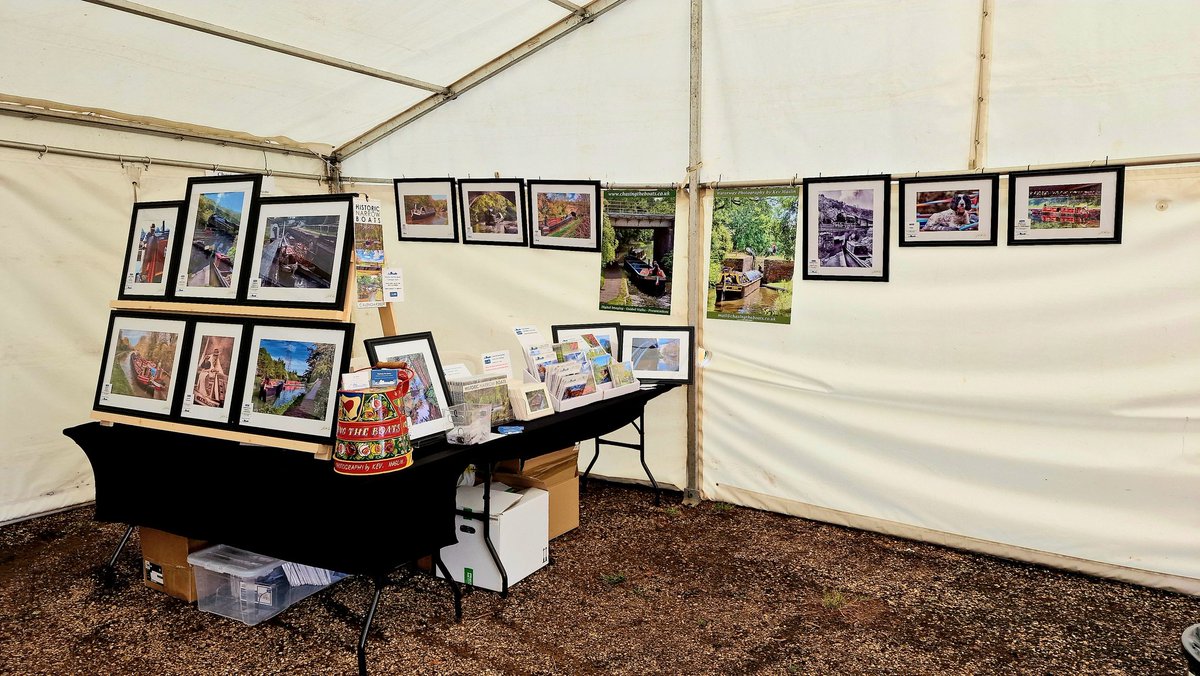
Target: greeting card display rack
{"x": 320, "y": 451}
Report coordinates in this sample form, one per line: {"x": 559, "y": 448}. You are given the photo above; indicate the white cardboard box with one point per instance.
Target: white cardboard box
{"x": 519, "y": 532}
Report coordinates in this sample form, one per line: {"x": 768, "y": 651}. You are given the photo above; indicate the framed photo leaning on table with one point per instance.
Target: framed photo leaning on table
{"x": 846, "y": 228}
{"x": 564, "y": 215}
{"x": 426, "y": 209}
{"x": 142, "y": 357}
{"x": 150, "y": 249}
{"x": 660, "y": 353}
{"x": 209, "y": 251}
{"x": 300, "y": 254}
{"x": 1066, "y": 206}
{"x": 427, "y": 401}
{"x": 292, "y": 370}
{"x": 949, "y": 210}
{"x": 493, "y": 211}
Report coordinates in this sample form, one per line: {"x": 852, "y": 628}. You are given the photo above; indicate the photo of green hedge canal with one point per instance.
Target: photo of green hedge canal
{"x": 291, "y": 378}
{"x": 637, "y": 241}
{"x": 753, "y": 254}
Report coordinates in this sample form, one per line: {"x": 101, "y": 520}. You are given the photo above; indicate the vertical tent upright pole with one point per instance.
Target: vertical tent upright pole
{"x": 983, "y": 79}
{"x": 695, "y": 250}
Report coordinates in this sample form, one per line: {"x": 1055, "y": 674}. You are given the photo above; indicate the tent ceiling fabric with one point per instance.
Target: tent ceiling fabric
{"x": 89, "y": 55}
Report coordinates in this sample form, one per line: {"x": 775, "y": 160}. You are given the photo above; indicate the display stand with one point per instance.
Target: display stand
{"x": 320, "y": 451}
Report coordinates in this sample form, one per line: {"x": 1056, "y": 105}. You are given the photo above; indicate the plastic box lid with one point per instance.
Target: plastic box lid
{"x": 233, "y": 561}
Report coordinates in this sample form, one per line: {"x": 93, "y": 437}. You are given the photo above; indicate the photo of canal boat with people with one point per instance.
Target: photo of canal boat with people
{"x": 143, "y": 363}
{"x": 752, "y": 257}
{"x": 299, "y": 251}
{"x": 637, "y": 242}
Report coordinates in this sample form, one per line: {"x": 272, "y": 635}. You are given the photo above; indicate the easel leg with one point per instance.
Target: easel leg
{"x": 441, "y": 566}
{"x": 362, "y": 639}
{"x": 110, "y": 569}
{"x": 487, "y": 530}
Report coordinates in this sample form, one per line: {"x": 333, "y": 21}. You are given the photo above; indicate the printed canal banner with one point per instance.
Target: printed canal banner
{"x": 637, "y": 250}
{"x": 753, "y": 254}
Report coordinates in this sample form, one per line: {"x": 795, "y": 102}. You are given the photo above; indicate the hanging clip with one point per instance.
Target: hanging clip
{"x": 45, "y": 149}
{"x": 795, "y": 177}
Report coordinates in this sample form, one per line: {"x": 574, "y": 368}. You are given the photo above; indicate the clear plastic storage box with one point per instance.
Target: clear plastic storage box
{"x": 246, "y": 586}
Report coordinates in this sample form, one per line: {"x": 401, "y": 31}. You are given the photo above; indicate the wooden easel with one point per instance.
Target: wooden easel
{"x": 320, "y": 451}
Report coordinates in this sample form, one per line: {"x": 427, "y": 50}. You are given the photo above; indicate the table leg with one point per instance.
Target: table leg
{"x": 642, "y": 454}
{"x": 441, "y": 566}
{"x": 487, "y": 527}
{"x": 586, "y": 472}
{"x": 366, "y": 628}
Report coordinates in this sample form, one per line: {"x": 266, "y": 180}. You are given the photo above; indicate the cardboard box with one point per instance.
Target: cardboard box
{"x": 518, "y": 528}
{"x": 556, "y": 473}
{"x": 564, "y": 500}
{"x": 165, "y": 562}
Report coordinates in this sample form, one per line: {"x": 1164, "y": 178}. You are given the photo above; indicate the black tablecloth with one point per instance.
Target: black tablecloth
{"x": 292, "y": 506}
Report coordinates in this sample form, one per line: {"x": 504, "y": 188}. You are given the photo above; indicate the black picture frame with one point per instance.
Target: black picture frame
{"x": 244, "y": 394}
{"x": 111, "y": 402}
{"x": 452, "y": 209}
{"x": 811, "y": 231}
{"x": 628, "y": 334}
{"x": 539, "y": 241}
{"x": 342, "y": 257}
{"x": 128, "y": 289}
{"x": 615, "y": 327}
{"x": 375, "y": 346}
{"x": 515, "y": 185}
{"x": 1021, "y": 231}
{"x": 987, "y": 204}
{"x": 184, "y": 240}
{"x": 233, "y": 385}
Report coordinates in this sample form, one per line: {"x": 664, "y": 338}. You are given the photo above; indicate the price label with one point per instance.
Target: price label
{"x": 247, "y": 411}
{"x": 129, "y": 281}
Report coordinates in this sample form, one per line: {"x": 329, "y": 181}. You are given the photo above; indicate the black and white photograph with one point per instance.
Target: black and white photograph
{"x": 426, "y": 209}
{"x": 208, "y": 254}
{"x": 846, "y": 228}
{"x": 301, "y": 251}
{"x": 152, "y": 231}
{"x": 949, "y": 210}
{"x": 493, "y": 211}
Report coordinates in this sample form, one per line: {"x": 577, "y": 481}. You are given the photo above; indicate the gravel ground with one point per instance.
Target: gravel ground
{"x": 637, "y": 589}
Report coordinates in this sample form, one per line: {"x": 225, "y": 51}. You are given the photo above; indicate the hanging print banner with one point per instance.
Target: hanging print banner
{"x": 637, "y": 251}
{"x": 753, "y": 253}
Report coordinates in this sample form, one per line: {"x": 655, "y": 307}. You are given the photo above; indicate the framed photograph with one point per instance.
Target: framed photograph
{"x": 492, "y": 211}
{"x": 148, "y": 252}
{"x": 564, "y": 215}
{"x": 426, "y": 209}
{"x": 291, "y": 378}
{"x": 218, "y": 213}
{"x": 660, "y": 353}
{"x": 949, "y": 210}
{"x": 427, "y": 400}
{"x": 142, "y": 356}
{"x": 301, "y": 251}
{"x": 1072, "y": 206}
{"x": 211, "y": 372}
{"x": 846, "y": 228}
{"x": 609, "y": 335}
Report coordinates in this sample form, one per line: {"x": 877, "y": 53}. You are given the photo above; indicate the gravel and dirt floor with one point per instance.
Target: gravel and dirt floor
{"x": 636, "y": 589}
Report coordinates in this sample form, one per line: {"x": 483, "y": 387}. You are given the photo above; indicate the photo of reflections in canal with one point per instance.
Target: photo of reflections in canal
{"x": 214, "y": 240}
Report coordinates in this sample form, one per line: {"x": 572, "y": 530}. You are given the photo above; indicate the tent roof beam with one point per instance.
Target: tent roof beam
{"x": 263, "y": 43}
{"x": 109, "y": 120}
{"x": 570, "y": 6}
{"x": 478, "y": 76}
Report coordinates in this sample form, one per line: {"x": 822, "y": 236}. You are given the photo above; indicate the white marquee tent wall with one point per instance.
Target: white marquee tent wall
{"x": 1034, "y": 402}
